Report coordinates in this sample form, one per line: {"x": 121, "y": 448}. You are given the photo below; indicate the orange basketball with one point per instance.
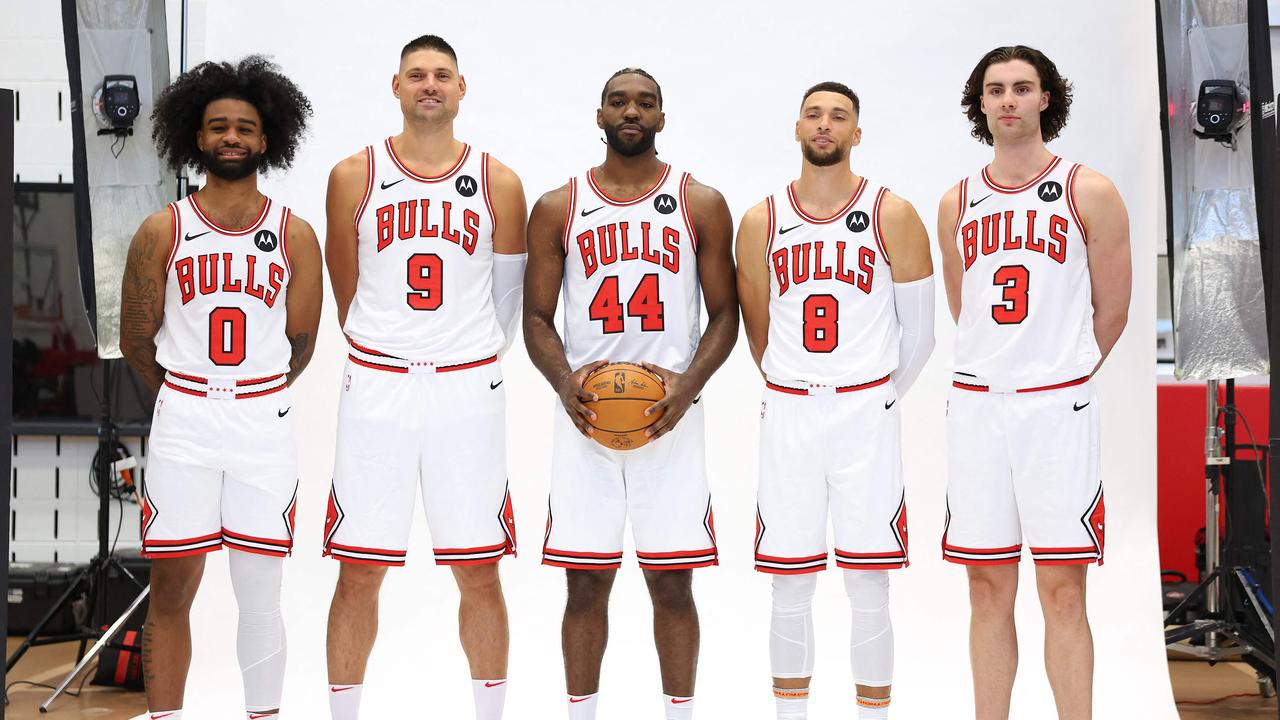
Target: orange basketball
{"x": 625, "y": 391}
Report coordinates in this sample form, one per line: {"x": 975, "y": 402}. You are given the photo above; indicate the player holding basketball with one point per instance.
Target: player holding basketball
{"x": 634, "y": 242}
{"x": 836, "y": 285}
{"x": 219, "y": 310}
{"x": 1035, "y": 253}
{"x": 425, "y": 248}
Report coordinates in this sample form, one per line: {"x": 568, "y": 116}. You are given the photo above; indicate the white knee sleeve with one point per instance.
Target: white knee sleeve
{"x": 871, "y": 634}
{"x": 791, "y": 632}
{"x": 260, "y": 643}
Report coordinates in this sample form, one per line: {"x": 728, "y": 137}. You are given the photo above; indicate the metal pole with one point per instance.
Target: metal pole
{"x": 1212, "y": 458}
{"x": 97, "y": 648}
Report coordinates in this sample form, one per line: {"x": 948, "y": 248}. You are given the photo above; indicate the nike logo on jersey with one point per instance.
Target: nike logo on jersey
{"x": 282, "y": 413}
{"x": 189, "y": 236}
{"x": 494, "y": 684}
{"x": 973, "y": 203}
{"x": 678, "y": 701}
{"x": 255, "y": 716}
{"x": 1078, "y": 407}
{"x": 890, "y": 403}
{"x": 586, "y": 212}
{"x": 157, "y": 716}
{"x": 340, "y": 689}
{"x": 386, "y": 184}
{"x": 784, "y": 231}
{"x": 581, "y": 699}
{"x": 494, "y": 386}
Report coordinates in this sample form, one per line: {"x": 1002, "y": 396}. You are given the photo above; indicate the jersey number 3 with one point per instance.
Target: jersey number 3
{"x": 1015, "y": 280}
{"x": 644, "y": 304}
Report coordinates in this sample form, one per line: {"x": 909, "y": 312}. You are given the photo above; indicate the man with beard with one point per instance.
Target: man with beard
{"x": 1036, "y": 260}
{"x": 635, "y": 243}
{"x": 836, "y": 286}
{"x": 219, "y": 310}
{"x": 425, "y": 248}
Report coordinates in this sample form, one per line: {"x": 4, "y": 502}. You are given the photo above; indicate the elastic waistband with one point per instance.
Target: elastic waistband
{"x": 361, "y": 355}
{"x": 820, "y": 389}
{"x": 973, "y": 384}
{"x": 225, "y": 389}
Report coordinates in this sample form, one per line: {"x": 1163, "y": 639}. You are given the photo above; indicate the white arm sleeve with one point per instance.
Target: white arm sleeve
{"x": 914, "y": 303}
{"x": 508, "y": 292}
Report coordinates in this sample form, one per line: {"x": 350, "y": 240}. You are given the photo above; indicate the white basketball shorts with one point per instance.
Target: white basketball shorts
{"x": 661, "y": 486}
{"x": 827, "y": 449}
{"x": 442, "y": 429}
{"x": 221, "y": 468}
{"x": 1024, "y": 464}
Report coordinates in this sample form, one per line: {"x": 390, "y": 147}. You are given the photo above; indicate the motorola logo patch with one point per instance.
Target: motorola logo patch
{"x": 1049, "y": 191}
{"x": 857, "y": 221}
{"x": 465, "y": 185}
{"x": 265, "y": 240}
{"x": 664, "y": 204}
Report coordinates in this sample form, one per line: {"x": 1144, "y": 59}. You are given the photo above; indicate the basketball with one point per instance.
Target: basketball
{"x": 625, "y": 391}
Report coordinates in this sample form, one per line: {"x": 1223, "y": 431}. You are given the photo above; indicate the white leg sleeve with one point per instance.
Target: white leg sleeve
{"x": 260, "y": 644}
{"x": 791, "y": 632}
{"x": 871, "y": 635}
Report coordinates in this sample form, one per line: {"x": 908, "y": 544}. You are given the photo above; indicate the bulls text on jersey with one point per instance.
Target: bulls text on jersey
{"x": 799, "y": 263}
{"x": 1011, "y": 230}
{"x": 613, "y": 242}
{"x": 211, "y": 273}
{"x": 407, "y": 219}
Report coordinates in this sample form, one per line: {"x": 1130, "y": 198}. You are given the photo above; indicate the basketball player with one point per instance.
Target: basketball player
{"x": 1035, "y": 253}
{"x": 635, "y": 243}
{"x": 425, "y": 248}
{"x": 219, "y": 310}
{"x": 836, "y": 285}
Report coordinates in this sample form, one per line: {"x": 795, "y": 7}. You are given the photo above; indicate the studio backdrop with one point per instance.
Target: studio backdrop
{"x": 732, "y": 75}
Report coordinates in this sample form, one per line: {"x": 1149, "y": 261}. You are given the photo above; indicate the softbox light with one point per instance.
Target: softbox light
{"x": 119, "y": 179}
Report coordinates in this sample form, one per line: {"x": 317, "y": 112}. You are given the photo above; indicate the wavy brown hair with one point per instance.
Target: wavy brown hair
{"x": 1052, "y": 119}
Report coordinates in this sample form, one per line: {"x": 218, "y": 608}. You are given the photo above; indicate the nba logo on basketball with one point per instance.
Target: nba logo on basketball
{"x": 619, "y": 382}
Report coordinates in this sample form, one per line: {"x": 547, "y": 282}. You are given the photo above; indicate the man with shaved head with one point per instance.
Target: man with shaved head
{"x": 634, "y": 243}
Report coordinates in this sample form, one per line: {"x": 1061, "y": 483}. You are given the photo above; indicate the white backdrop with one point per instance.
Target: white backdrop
{"x": 732, "y": 76}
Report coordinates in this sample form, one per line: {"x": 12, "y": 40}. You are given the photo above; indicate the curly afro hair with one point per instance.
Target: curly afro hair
{"x": 1054, "y": 117}
{"x": 179, "y": 111}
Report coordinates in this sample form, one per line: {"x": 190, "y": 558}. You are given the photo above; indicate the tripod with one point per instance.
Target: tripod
{"x": 92, "y": 580}
{"x": 1235, "y": 606}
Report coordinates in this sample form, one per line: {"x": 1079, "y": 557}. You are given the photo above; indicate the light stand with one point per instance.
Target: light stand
{"x": 1235, "y": 608}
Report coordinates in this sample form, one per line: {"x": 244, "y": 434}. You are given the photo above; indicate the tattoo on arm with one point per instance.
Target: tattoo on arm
{"x": 299, "y": 354}
{"x": 140, "y": 316}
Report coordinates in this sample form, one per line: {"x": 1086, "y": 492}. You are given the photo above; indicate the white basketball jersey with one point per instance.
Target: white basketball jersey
{"x": 831, "y": 314}
{"x": 224, "y": 299}
{"x": 425, "y": 252}
{"x": 1026, "y": 318}
{"x": 631, "y": 289}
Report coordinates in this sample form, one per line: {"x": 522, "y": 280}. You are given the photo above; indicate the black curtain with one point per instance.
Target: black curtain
{"x": 6, "y": 323}
{"x": 79, "y": 165}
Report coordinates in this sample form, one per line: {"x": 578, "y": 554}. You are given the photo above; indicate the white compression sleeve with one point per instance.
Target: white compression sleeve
{"x": 508, "y": 292}
{"x": 791, "y": 645}
{"x": 260, "y": 643}
{"x": 871, "y": 634}
{"x": 914, "y": 303}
